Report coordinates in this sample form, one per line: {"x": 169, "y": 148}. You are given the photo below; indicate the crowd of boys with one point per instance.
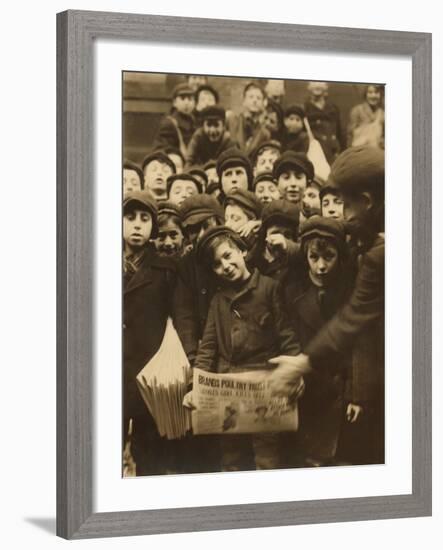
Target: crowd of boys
{"x": 261, "y": 264}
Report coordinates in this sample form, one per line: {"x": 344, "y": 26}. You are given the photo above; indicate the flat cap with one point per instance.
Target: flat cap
{"x": 212, "y": 233}
{"x": 317, "y": 226}
{"x": 147, "y": 201}
{"x": 182, "y": 89}
{"x": 271, "y": 144}
{"x": 283, "y": 211}
{"x": 359, "y": 169}
{"x": 247, "y": 200}
{"x": 234, "y": 157}
{"x": 213, "y": 112}
{"x": 198, "y": 208}
{"x": 298, "y": 161}
{"x": 295, "y": 110}
{"x": 264, "y": 176}
{"x": 184, "y": 176}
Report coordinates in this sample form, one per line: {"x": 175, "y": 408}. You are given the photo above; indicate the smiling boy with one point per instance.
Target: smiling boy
{"x": 293, "y": 172}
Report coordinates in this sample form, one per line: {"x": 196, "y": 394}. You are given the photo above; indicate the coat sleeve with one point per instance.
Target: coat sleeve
{"x": 193, "y": 148}
{"x": 208, "y": 348}
{"x": 288, "y": 341}
{"x": 183, "y": 314}
{"x": 166, "y": 135}
{"x": 364, "y": 307}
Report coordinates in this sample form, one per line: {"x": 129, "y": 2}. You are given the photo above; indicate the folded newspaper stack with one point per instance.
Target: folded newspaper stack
{"x": 239, "y": 403}
{"x": 162, "y": 383}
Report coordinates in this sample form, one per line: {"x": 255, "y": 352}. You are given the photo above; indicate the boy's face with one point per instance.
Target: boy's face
{"x": 357, "y": 211}
{"x": 184, "y": 104}
{"x": 373, "y": 96}
{"x": 178, "y": 162}
{"x": 322, "y": 262}
{"x": 181, "y": 190}
{"x": 170, "y": 239}
{"x": 254, "y": 101}
{"x": 212, "y": 175}
{"x": 156, "y": 174}
{"x": 131, "y": 181}
{"x": 229, "y": 263}
{"x": 233, "y": 178}
{"x": 318, "y": 89}
{"x": 137, "y": 228}
{"x": 267, "y": 191}
{"x": 196, "y": 231}
{"x": 292, "y": 184}
{"x": 293, "y": 123}
{"x": 265, "y": 161}
{"x": 205, "y": 99}
{"x": 235, "y": 218}
{"x": 214, "y": 129}
{"x": 271, "y": 121}
{"x": 311, "y": 201}
{"x": 332, "y": 206}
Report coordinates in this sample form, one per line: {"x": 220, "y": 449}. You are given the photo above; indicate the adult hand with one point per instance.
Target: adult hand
{"x": 353, "y": 412}
{"x": 288, "y": 373}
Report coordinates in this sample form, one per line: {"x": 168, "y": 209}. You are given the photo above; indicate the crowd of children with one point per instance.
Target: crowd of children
{"x": 230, "y": 231}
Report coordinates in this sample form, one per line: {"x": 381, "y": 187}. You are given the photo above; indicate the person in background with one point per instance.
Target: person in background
{"x": 148, "y": 282}
{"x": 246, "y": 324}
{"x": 212, "y": 139}
{"x": 234, "y": 170}
{"x": 275, "y": 90}
{"x": 205, "y": 96}
{"x": 194, "y": 81}
{"x": 324, "y": 119}
{"x": 242, "y": 215}
{"x": 293, "y": 172}
{"x": 181, "y": 186}
{"x": 265, "y": 187}
{"x": 248, "y": 129}
{"x": 311, "y": 203}
{"x": 331, "y": 202}
{"x": 366, "y": 120}
{"x": 214, "y": 190}
{"x": 177, "y": 128}
{"x": 295, "y": 137}
{"x": 169, "y": 242}
{"x": 273, "y": 121}
{"x": 264, "y": 156}
{"x": 176, "y": 157}
{"x": 132, "y": 177}
{"x": 358, "y": 327}
{"x": 210, "y": 169}
{"x": 157, "y": 167}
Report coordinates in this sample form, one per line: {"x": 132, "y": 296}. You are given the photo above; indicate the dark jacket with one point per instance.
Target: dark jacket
{"x": 246, "y": 327}
{"x": 326, "y": 127}
{"x": 192, "y": 295}
{"x": 359, "y": 327}
{"x": 247, "y": 132}
{"x": 200, "y": 149}
{"x": 146, "y": 307}
{"x": 167, "y": 134}
{"x": 298, "y": 143}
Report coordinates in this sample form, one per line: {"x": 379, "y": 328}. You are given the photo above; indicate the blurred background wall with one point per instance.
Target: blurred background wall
{"x": 147, "y": 97}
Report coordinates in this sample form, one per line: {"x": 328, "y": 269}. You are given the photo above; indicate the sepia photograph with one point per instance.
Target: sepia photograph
{"x": 253, "y": 281}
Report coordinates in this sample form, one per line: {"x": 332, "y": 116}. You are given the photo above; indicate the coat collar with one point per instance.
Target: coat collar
{"x": 144, "y": 274}
{"x": 232, "y": 294}
{"x": 308, "y": 308}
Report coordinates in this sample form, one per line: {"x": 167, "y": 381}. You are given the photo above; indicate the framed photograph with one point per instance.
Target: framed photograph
{"x": 235, "y": 347}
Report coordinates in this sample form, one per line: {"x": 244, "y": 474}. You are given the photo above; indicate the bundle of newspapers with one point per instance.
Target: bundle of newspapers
{"x": 162, "y": 383}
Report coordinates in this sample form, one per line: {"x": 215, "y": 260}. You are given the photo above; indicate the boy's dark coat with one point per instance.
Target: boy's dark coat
{"x": 146, "y": 307}
{"x": 248, "y": 133}
{"x": 167, "y": 135}
{"x": 200, "y": 149}
{"x": 246, "y": 328}
{"x": 326, "y": 127}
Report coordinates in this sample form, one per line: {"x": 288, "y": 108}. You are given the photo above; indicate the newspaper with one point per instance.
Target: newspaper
{"x": 239, "y": 403}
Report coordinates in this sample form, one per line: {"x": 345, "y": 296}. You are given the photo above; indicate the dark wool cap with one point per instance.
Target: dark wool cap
{"x": 359, "y": 169}
{"x": 212, "y": 233}
{"x": 247, "y": 202}
{"x": 329, "y": 189}
{"x": 271, "y": 144}
{"x": 147, "y": 201}
{"x": 183, "y": 177}
{"x": 198, "y": 208}
{"x": 234, "y": 157}
{"x": 213, "y": 112}
{"x": 198, "y": 171}
{"x": 295, "y": 110}
{"x": 210, "y": 164}
{"x": 207, "y": 88}
{"x": 317, "y": 226}
{"x": 161, "y": 156}
{"x": 264, "y": 176}
{"x": 298, "y": 161}
{"x": 281, "y": 210}
{"x": 168, "y": 208}
{"x": 129, "y": 165}
{"x": 213, "y": 186}
{"x": 182, "y": 89}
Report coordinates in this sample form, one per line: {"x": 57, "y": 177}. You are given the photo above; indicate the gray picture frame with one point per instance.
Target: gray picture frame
{"x": 76, "y": 32}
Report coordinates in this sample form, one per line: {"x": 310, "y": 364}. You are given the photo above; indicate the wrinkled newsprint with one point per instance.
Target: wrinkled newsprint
{"x": 239, "y": 403}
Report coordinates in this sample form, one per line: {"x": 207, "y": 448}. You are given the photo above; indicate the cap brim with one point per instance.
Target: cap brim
{"x": 198, "y": 217}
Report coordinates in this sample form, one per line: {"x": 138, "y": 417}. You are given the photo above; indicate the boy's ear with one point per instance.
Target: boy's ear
{"x": 368, "y": 200}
